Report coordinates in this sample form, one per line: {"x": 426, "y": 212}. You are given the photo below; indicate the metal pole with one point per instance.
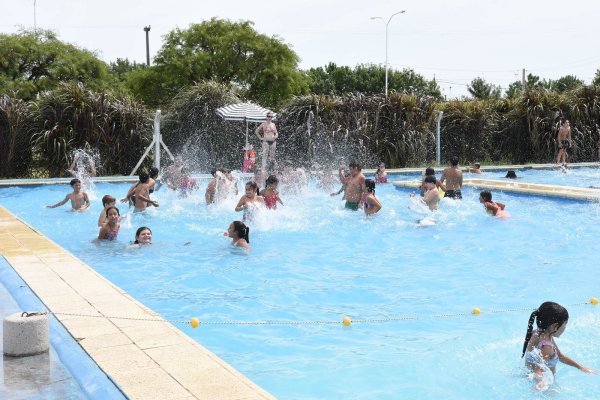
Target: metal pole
{"x": 147, "y": 30}
{"x": 34, "y": 18}
{"x": 387, "y": 24}
{"x": 386, "y": 58}
{"x": 438, "y": 150}
{"x": 157, "y": 140}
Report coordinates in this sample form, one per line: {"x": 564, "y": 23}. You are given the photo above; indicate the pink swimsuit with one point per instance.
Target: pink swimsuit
{"x": 271, "y": 200}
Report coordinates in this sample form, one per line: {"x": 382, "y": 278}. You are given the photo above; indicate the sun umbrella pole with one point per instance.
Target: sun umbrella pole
{"x": 246, "y": 132}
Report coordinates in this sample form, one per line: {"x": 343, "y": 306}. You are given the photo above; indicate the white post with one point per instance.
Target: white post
{"x": 438, "y": 152}
{"x": 387, "y": 24}
{"x": 157, "y": 140}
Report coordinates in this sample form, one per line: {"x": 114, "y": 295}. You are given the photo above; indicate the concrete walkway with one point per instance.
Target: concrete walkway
{"x": 147, "y": 359}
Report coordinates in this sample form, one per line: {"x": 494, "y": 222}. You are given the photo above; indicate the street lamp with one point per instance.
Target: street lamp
{"x": 387, "y": 24}
{"x": 147, "y": 30}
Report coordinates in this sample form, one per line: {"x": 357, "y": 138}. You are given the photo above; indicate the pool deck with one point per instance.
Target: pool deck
{"x": 146, "y": 359}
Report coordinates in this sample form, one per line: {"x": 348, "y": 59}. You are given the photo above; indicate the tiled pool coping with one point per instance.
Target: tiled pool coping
{"x": 147, "y": 359}
{"x": 15, "y": 182}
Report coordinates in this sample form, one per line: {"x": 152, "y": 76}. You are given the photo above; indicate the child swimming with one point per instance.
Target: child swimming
{"x": 143, "y": 236}
{"x": 107, "y": 201}
{"x": 370, "y": 203}
{"x": 540, "y": 349}
{"x": 270, "y": 193}
{"x": 110, "y": 229}
{"x": 239, "y": 234}
{"x": 493, "y": 207}
{"x": 79, "y": 199}
{"x": 249, "y": 200}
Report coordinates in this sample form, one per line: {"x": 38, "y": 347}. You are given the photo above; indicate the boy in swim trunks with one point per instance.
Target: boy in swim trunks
{"x": 354, "y": 186}
{"x": 79, "y": 200}
{"x": 452, "y": 179}
{"x": 564, "y": 142}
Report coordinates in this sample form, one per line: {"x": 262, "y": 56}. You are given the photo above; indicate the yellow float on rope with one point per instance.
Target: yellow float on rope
{"x": 594, "y": 300}
{"x": 476, "y": 311}
{"x": 347, "y": 321}
{"x": 195, "y": 322}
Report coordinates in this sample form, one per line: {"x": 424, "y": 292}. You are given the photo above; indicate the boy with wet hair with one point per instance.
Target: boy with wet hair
{"x": 79, "y": 199}
{"x": 107, "y": 202}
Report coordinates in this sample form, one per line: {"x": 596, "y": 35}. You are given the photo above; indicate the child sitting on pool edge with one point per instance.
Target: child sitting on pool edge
{"x": 493, "y": 207}
{"x": 539, "y": 347}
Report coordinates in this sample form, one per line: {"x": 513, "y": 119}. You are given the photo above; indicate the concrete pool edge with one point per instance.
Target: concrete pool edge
{"x": 535, "y": 189}
{"x": 92, "y": 381}
{"x": 146, "y": 359}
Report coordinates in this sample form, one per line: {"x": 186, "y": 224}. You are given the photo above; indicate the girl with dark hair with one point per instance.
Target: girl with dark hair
{"x": 240, "y": 234}
{"x": 429, "y": 172}
{"x": 143, "y": 236}
{"x": 270, "y": 193}
{"x": 493, "y": 207}
{"x": 370, "y": 203}
{"x": 249, "y": 200}
{"x": 539, "y": 348}
{"x": 110, "y": 229}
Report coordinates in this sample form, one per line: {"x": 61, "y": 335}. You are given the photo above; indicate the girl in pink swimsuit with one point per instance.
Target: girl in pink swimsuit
{"x": 540, "y": 349}
{"x": 270, "y": 193}
{"x": 110, "y": 229}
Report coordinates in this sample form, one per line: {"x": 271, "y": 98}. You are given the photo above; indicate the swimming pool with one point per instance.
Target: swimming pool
{"x": 314, "y": 261}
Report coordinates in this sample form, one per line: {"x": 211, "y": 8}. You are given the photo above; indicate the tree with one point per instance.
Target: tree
{"x": 481, "y": 90}
{"x": 533, "y": 82}
{"x": 596, "y": 80}
{"x": 368, "y": 79}
{"x": 120, "y": 68}
{"x": 567, "y": 82}
{"x": 32, "y": 62}
{"x": 229, "y": 53}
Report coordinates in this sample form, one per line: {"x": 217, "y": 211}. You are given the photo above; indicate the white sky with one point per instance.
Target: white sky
{"x": 454, "y": 40}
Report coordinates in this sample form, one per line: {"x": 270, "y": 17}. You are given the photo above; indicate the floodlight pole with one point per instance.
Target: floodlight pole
{"x": 147, "y": 30}
{"x": 387, "y": 24}
{"x": 438, "y": 151}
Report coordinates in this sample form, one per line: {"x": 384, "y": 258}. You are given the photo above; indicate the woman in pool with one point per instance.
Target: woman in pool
{"x": 540, "y": 349}
{"x": 143, "y": 236}
{"x": 110, "y": 229}
{"x": 270, "y": 193}
{"x": 249, "y": 201}
{"x": 239, "y": 234}
{"x": 381, "y": 174}
{"x": 370, "y": 203}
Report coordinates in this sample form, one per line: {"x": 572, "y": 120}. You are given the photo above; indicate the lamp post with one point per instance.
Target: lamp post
{"x": 147, "y": 30}
{"x": 387, "y": 24}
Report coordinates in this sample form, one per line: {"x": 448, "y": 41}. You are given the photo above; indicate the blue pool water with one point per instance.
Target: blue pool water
{"x": 313, "y": 261}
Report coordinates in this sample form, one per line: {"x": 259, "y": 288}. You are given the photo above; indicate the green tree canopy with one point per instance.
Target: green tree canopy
{"x": 481, "y": 90}
{"x": 32, "y": 62}
{"x": 596, "y": 80}
{"x": 368, "y": 79}
{"x": 227, "y": 52}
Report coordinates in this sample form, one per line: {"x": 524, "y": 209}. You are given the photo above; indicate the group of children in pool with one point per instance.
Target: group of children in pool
{"x": 539, "y": 348}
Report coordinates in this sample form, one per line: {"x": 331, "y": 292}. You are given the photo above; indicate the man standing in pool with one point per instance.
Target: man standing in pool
{"x": 564, "y": 142}
{"x": 354, "y": 185}
{"x": 452, "y": 178}
{"x": 269, "y": 140}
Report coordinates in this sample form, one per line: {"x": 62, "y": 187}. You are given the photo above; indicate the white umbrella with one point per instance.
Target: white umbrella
{"x": 248, "y": 112}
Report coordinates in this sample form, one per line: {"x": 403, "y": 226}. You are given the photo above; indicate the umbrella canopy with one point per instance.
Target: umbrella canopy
{"x": 248, "y": 112}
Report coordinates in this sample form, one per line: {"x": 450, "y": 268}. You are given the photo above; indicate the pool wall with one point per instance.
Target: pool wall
{"x": 146, "y": 356}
